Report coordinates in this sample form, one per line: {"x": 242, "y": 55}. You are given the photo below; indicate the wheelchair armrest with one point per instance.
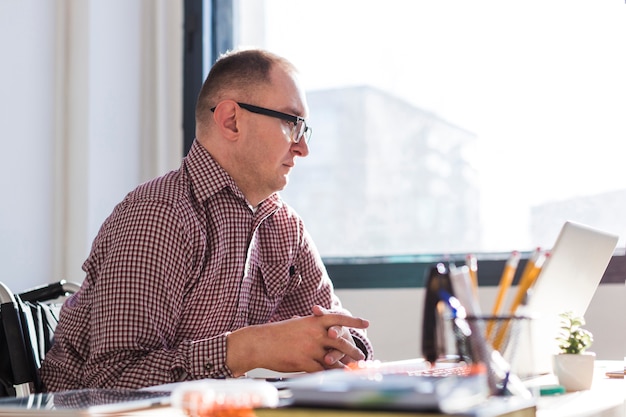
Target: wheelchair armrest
{"x": 49, "y": 291}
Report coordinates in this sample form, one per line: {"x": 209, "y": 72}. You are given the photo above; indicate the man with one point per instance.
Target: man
{"x": 205, "y": 272}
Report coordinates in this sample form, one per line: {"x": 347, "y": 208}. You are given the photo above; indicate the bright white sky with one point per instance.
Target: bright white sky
{"x": 541, "y": 82}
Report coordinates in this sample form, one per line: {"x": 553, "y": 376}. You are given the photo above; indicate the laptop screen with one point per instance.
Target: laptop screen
{"x": 567, "y": 282}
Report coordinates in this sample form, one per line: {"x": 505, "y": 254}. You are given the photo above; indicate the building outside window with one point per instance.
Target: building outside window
{"x": 452, "y": 127}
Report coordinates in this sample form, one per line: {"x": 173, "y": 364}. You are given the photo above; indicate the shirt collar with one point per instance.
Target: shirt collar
{"x": 209, "y": 178}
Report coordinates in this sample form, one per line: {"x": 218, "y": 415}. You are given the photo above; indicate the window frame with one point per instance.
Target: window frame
{"x": 216, "y": 16}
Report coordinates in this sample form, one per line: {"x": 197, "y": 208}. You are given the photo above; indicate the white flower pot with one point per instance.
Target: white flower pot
{"x": 574, "y": 371}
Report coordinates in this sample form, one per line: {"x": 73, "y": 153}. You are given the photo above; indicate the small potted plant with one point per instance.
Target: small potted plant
{"x": 573, "y": 365}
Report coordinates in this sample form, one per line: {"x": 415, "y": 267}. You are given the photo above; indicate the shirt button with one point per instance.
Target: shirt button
{"x": 208, "y": 366}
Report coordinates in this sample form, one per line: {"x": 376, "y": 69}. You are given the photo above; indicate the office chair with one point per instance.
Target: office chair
{"x": 27, "y": 325}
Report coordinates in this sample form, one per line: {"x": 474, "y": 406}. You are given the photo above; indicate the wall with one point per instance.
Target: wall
{"x": 91, "y": 99}
{"x": 27, "y": 126}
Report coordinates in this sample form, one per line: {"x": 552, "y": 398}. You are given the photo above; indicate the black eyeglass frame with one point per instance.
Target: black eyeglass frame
{"x": 306, "y": 132}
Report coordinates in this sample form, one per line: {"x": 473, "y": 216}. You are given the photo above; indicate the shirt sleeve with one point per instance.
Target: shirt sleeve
{"x": 145, "y": 277}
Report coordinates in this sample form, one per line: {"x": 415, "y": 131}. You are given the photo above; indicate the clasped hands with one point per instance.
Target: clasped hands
{"x": 311, "y": 343}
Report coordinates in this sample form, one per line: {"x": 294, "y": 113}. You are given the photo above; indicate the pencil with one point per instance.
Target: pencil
{"x": 505, "y": 283}
{"x": 529, "y": 276}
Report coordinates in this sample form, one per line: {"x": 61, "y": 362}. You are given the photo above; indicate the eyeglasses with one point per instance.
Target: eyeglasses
{"x": 298, "y": 131}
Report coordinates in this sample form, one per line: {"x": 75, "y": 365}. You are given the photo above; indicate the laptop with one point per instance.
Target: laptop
{"x": 567, "y": 282}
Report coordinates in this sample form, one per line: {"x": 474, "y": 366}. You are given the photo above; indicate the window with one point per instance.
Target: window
{"x": 452, "y": 126}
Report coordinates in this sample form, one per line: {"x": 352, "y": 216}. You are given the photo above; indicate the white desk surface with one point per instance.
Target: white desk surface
{"x": 605, "y": 398}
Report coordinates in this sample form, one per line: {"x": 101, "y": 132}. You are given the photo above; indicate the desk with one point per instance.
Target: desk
{"x": 605, "y": 398}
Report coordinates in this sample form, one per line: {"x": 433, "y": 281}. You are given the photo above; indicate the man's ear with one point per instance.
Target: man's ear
{"x": 226, "y": 116}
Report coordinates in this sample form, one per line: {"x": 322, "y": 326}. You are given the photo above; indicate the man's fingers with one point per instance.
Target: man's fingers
{"x": 345, "y": 321}
{"x": 335, "y": 332}
{"x": 333, "y": 356}
{"x": 340, "y": 348}
{"x": 346, "y": 348}
{"x": 319, "y": 310}
{"x": 337, "y": 318}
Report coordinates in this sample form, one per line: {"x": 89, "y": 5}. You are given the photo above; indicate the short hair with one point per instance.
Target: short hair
{"x": 241, "y": 71}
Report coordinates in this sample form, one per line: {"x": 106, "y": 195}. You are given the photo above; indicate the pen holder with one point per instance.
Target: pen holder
{"x": 501, "y": 363}
{"x": 508, "y": 334}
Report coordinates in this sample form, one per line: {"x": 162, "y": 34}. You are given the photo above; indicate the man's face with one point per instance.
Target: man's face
{"x": 269, "y": 154}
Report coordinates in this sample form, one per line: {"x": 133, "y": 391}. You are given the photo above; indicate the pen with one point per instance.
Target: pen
{"x": 505, "y": 282}
{"x": 472, "y": 264}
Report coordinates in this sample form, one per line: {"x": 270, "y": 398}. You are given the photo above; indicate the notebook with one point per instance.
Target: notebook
{"x": 567, "y": 282}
